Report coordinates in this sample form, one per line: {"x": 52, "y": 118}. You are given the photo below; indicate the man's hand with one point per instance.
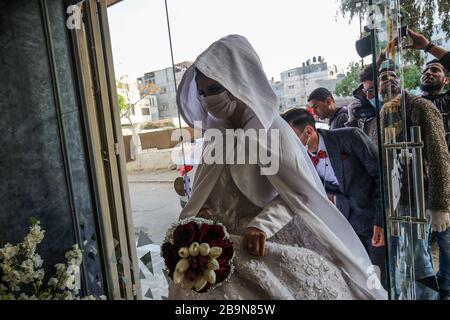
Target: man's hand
{"x": 439, "y": 220}
{"x": 355, "y": 103}
{"x": 418, "y": 41}
{"x": 378, "y": 237}
{"x": 255, "y": 241}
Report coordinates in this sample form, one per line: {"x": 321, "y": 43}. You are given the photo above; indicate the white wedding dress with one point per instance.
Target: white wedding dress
{"x": 291, "y": 269}
{"x": 312, "y": 250}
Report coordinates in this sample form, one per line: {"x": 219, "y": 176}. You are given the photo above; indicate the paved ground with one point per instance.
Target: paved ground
{"x": 154, "y": 203}
{"x": 160, "y": 176}
{"x": 155, "y": 206}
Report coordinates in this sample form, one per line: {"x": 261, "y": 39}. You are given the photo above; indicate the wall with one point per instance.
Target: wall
{"x": 151, "y": 159}
{"x": 43, "y": 166}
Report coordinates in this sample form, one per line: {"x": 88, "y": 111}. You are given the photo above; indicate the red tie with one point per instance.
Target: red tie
{"x": 320, "y": 155}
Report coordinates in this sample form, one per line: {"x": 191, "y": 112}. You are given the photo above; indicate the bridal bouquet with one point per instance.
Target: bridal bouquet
{"x": 198, "y": 254}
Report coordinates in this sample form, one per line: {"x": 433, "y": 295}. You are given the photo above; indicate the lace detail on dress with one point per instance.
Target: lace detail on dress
{"x": 284, "y": 273}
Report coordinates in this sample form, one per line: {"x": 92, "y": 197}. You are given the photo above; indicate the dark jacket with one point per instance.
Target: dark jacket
{"x": 364, "y": 113}
{"x": 338, "y": 118}
{"x": 442, "y": 102}
{"x": 354, "y": 159}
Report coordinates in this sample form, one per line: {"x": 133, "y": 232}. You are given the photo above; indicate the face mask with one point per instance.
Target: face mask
{"x": 380, "y": 102}
{"x": 219, "y": 105}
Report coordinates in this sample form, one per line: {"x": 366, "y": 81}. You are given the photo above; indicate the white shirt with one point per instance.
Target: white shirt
{"x": 324, "y": 168}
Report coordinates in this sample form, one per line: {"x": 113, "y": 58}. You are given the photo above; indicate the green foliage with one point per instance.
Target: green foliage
{"x": 411, "y": 76}
{"x": 419, "y": 15}
{"x": 123, "y": 106}
{"x": 34, "y": 221}
{"x": 351, "y": 81}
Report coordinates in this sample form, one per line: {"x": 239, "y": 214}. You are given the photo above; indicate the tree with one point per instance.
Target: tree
{"x": 419, "y": 15}
{"x": 122, "y": 104}
{"x": 345, "y": 88}
{"x": 351, "y": 81}
{"x": 126, "y": 107}
{"x": 411, "y": 76}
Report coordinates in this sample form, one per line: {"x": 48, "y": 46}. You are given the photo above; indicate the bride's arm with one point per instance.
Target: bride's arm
{"x": 272, "y": 218}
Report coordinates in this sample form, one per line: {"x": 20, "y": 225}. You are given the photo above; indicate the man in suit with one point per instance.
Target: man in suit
{"x": 347, "y": 162}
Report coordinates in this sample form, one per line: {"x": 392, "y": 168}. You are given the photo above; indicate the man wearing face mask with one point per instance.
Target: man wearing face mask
{"x": 362, "y": 110}
{"x": 347, "y": 162}
{"x": 436, "y": 159}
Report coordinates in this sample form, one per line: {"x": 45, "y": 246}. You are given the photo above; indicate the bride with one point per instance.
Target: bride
{"x": 290, "y": 241}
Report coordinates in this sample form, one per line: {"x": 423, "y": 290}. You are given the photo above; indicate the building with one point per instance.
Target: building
{"x": 299, "y": 82}
{"x": 144, "y": 107}
{"x": 164, "y": 80}
{"x": 278, "y": 88}
{"x": 439, "y": 38}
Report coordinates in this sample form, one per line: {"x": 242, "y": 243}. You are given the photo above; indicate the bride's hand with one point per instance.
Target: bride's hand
{"x": 255, "y": 241}
{"x": 204, "y": 214}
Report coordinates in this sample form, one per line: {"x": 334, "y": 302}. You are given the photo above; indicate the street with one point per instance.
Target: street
{"x": 155, "y": 206}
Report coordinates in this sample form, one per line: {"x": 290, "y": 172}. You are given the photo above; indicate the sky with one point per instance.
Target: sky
{"x": 284, "y": 33}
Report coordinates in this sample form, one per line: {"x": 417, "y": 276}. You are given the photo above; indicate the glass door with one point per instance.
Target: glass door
{"x": 401, "y": 145}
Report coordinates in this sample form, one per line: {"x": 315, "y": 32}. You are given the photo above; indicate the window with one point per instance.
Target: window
{"x": 145, "y": 111}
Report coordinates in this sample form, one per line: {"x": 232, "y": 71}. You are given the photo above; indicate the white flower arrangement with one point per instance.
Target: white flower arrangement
{"x": 22, "y": 274}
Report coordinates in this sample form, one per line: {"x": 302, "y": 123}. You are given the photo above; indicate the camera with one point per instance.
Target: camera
{"x": 364, "y": 45}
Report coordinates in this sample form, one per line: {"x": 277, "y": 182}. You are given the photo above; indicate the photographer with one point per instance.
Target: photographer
{"x": 361, "y": 110}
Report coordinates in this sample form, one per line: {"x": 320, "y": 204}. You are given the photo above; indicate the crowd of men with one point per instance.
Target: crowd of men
{"x": 347, "y": 160}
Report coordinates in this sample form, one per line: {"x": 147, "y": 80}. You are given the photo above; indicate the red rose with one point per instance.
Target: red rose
{"x": 227, "y": 252}
{"x": 222, "y": 274}
{"x": 211, "y": 234}
{"x": 185, "y": 234}
{"x": 170, "y": 255}
{"x": 199, "y": 263}
{"x": 191, "y": 274}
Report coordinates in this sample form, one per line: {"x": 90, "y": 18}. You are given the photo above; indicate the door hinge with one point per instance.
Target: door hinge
{"x": 116, "y": 148}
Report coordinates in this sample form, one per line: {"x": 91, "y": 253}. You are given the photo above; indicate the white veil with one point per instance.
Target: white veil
{"x": 233, "y": 63}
